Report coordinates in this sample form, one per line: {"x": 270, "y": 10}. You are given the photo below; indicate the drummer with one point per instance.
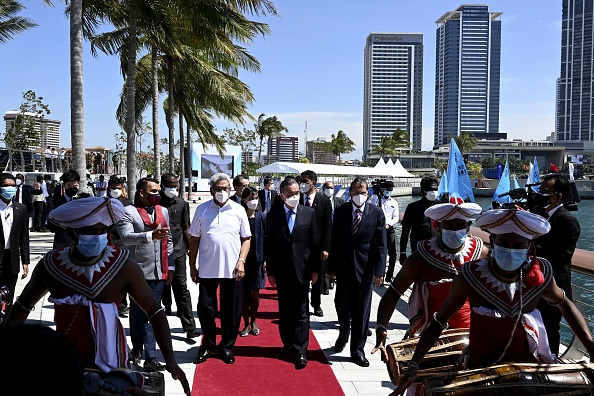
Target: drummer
{"x": 505, "y": 324}
{"x": 431, "y": 268}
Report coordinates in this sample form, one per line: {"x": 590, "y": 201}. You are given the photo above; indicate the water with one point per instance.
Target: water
{"x": 584, "y": 213}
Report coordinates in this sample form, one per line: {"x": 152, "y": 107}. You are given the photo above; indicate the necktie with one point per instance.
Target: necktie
{"x": 18, "y": 194}
{"x": 268, "y": 200}
{"x": 356, "y": 222}
{"x": 306, "y": 199}
{"x": 291, "y": 220}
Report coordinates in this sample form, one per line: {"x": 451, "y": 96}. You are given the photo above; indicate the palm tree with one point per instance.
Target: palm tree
{"x": 10, "y": 23}
{"x": 268, "y": 128}
{"x": 401, "y": 140}
{"x": 386, "y": 147}
{"x": 466, "y": 141}
{"x": 340, "y": 144}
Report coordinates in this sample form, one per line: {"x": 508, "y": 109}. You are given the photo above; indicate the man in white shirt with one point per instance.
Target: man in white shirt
{"x": 48, "y": 159}
{"x": 383, "y": 197}
{"x": 101, "y": 187}
{"x": 221, "y": 232}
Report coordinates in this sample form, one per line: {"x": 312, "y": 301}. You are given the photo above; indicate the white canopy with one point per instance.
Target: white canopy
{"x": 322, "y": 169}
{"x": 400, "y": 171}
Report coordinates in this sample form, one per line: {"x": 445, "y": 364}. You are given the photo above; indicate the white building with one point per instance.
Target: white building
{"x": 49, "y": 130}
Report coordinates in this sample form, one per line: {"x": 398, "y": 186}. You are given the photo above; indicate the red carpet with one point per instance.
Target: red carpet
{"x": 260, "y": 369}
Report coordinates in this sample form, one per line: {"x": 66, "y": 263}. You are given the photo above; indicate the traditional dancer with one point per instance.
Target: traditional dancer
{"x": 503, "y": 290}
{"x": 87, "y": 280}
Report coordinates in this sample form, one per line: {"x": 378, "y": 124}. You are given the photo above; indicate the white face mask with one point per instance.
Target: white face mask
{"x": 18, "y": 182}
{"x": 509, "y": 259}
{"x": 453, "y": 238}
{"x": 170, "y": 191}
{"x": 222, "y": 196}
{"x": 115, "y": 193}
{"x": 359, "y": 199}
{"x": 270, "y": 187}
{"x": 304, "y": 187}
{"x": 328, "y": 192}
{"x": 292, "y": 201}
{"x": 431, "y": 195}
{"x": 253, "y": 204}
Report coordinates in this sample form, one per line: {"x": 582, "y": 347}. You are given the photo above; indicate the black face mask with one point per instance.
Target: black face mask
{"x": 71, "y": 192}
{"x": 154, "y": 199}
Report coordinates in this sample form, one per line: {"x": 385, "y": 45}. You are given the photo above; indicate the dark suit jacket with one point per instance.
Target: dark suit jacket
{"x": 61, "y": 238}
{"x": 363, "y": 256}
{"x": 26, "y": 199}
{"x": 259, "y": 237}
{"x": 558, "y": 246}
{"x": 262, "y": 199}
{"x": 286, "y": 254}
{"x": 337, "y": 201}
{"x": 236, "y": 198}
{"x": 323, "y": 209}
{"x": 19, "y": 237}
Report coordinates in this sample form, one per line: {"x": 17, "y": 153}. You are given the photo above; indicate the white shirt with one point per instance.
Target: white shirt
{"x": 362, "y": 209}
{"x": 102, "y": 193}
{"x": 44, "y": 189}
{"x": 220, "y": 230}
{"x": 293, "y": 215}
{"x": 390, "y": 208}
{"x": 7, "y": 217}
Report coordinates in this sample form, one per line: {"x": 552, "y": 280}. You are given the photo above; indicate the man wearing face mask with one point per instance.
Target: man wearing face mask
{"x": 70, "y": 185}
{"x": 322, "y": 206}
{"x": 14, "y": 237}
{"x": 221, "y": 232}
{"x": 144, "y": 230}
{"x": 431, "y": 268}
{"x": 239, "y": 183}
{"x": 24, "y": 193}
{"x": 557, "y": 246}
{"x": 335, "y": 202}
{"x": 291, "y": 247}
{"x": 390, "y": 207}
{"x": 358, "y": 260}
{"x": 506, "y": 325}
{"x": 414, "y": 222}
{"x": 267, "y": 195}
{"x": 101, "y": 187}
{"x": 179, "y": 224}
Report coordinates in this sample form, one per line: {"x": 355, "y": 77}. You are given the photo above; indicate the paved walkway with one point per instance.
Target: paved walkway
{"x": 373, "y": 380}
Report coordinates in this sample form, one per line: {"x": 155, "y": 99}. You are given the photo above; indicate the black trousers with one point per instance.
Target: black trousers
{"x": 38, "y": 208}
{"x": 392, "y": 252}
{"x": 7, "y": 278}
{"x": 293, "y": 324}
{"x": 229, "y": 312}
{"x": 322, "y": 286}
{"x": 353, "y": 306}
{"x": 183, "y": 298}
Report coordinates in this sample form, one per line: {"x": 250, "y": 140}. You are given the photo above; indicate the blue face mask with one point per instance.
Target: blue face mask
{"x": 91, "y": 245}
{"x": 387, "y": 194}
{"x": 453, "y": 238}
{"x": 509, "y": 259}
{"x": 8, "y": 192}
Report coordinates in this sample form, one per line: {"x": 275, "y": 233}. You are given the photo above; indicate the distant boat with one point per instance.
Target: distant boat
{"x": 503, "y": 187}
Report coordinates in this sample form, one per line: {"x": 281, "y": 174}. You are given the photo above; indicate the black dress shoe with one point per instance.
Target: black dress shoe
{"x": 301, "y": 361}
{"x": 318, "y": 311}
{"x": 134, "y": 356}
{"x": 286, "y": 350}
{"x": 339, "y": 345}
{"x": 202, "y": 356}
{"x": 360, "y": 360}
{"x": 152, "y": 365}
{"x": 194, "y": 333}
{"x": 227, "y": 356}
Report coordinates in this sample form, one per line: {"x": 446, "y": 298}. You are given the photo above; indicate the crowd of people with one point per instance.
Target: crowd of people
{"x": 115, "y": 256}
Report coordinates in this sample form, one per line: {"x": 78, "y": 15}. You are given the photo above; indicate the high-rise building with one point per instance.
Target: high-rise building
{"x": 49, "y": 130}
{"x": 467, "y": 74}
{"x": 283, "y": 149}
{"x": 575, "y": 108}
{"x": 316, "y": 153}
{"x": 393, "y": 88}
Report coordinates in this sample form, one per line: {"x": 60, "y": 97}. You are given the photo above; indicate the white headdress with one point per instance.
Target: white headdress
{"x": 516, "y": 221}
{"x": 449, "y": 211}
{"x": 86, "y": 212}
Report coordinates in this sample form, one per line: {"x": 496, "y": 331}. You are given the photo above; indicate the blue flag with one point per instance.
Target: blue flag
{"x": 503, "y": 186}
{"x": 443, "y": 184}
{"x": 535, "y": 176}
{"x": 458, "y": 180}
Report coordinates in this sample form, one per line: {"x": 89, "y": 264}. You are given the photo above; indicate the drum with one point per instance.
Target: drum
{"x": 441, "y": 358}
{"x": 523, "y": 379}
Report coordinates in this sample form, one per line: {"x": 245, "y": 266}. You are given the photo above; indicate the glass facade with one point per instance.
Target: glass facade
{"x": 575, "y": 115}
{"x": 467, "y": 73}
{"x": 393, "y": 88}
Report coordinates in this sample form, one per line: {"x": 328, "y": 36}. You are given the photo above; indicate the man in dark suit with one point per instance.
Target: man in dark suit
{"x": 24, "y": 194}
{"x": 291, "y": 239}
{"x": 70, "y": 185}
{"x": 14, "y": 236}
{"x": 335, "y": 202}
{"x": 267, "y": 195}
{"x": 321, "y": 204}
{"x": 239, "y": 183}
{"x": 557, "y": 246}
{"x": 359, "y": 269}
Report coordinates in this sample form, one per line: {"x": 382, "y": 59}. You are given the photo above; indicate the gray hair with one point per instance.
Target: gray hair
{"x": 217, "y": 177}
{"x": 289, "y": 181}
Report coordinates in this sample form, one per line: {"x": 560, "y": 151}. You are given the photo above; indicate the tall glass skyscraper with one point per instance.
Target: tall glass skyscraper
{"x": 575, "y": 87}
{"x": 467, "y": 74}
{"x": 393, "y": 88}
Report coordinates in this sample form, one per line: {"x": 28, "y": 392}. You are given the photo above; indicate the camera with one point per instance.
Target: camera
{"x": 5, "y": 296}
{"x": 531, "y": 200}
{"x": 380, "y": 185}
{"x": 112, "y": 383}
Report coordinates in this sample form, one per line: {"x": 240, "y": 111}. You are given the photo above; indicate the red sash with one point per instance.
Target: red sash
{"x": 159, "y": 220}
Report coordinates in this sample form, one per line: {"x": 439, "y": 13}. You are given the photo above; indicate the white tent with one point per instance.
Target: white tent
{"x": 400, "y": 171}
{"x": 380, "y": 166}
{"x": 337, "y": 170}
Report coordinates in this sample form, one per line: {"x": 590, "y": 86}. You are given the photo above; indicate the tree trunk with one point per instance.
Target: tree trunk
{"x": 189, "y": 158}
{"x": 77, "y": 133}
{"x": 156, "y": 143}
{"x": 182, "y": 173}
{"x": 131, "y": 171}
{"x": 169, "y": 116}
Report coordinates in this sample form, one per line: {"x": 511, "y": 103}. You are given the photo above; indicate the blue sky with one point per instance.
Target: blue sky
{"x": 311, "y": 67}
